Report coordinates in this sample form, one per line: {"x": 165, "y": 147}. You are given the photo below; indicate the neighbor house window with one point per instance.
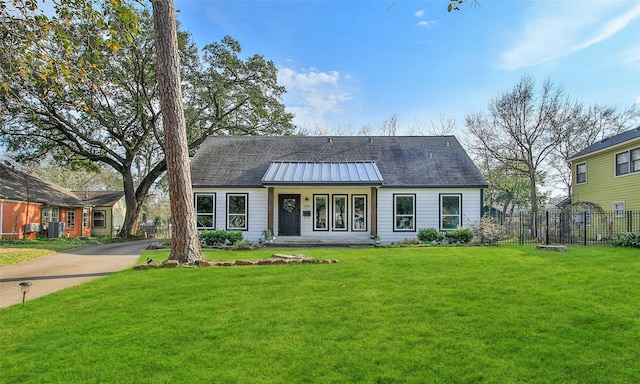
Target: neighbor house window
{"x": 404, "y": 212}
{"x": 618, "y": 209}
{"x": 581, "y": 173}
{"x": 71, "y": 218}
{"x": 359, "y": 212}
{"x": 622, "y": 163}
{"x": 205, "y": 210}
{"x": 85, "y": 218}
{"x": 99, "y": 219}
{"x": 450, "y": 211}
{"x": 340, "y": 212}
{"x": 237, "y": 209}
{"x": 320, "y": 212}
{"x": 55, "y": 214}
{"x": 635, "y": 160}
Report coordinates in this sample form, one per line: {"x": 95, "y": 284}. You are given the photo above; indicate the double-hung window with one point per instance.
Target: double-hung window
{"x": 628, "y": 162}
{"x": 618, "y": 209}
{"x": 581, "y": 173}
{"x": 450, "y": 211}
{"x": 71, "y": 218}
{"x": 205, "y": 210}
{"x": 99, "y": 219}
{"x": 85, "y": 218}
{"x": 237, "y": 211}
{"x": 404, "y": 212}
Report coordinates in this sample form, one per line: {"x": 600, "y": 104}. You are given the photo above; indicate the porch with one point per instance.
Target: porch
{"x": 321, "y": 242}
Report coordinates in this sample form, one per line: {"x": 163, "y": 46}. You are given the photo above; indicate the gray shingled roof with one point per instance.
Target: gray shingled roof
{"x": 99, "y": 198}
{"x": 609, "y": 142}
{"x": 403, "y": 161}
{"x": 17, "y": 185}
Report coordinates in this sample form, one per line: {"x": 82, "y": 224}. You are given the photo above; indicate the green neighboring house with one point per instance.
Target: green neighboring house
{"x": 607, "y": 173}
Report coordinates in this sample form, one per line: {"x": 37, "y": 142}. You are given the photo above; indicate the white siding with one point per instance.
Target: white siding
{"x": 257, "y": 215}
{"x": 427, "y": 210}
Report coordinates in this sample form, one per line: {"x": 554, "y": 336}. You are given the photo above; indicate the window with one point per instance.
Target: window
{"x": 628, "y": 162}
{"x": 622, "y": 163}
{"x": 581, "y": 173}
{"x": 320, "y": 213}
{"x": 618, "y": 209}
{"x": 55, "y": 214}
{"x": 237, "y": 211}
{"x": 71, "y": 218}
{"x": 359, "y": 212}
{"x": 450, "y": 211}
{"x": 635, "y": 160}
{"x": 99, "y": 219}
{"x": 85, "y": 218}
{"x": 340, "y": 212}
{"x": 404, "y": 212}
{"x": 205, "y": 210}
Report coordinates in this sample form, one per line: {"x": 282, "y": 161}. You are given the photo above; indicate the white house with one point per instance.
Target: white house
{"x": 335, "y": 189}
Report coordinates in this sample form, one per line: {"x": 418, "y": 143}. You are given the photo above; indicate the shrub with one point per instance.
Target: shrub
{"x": 627, "y": 239}
{"x": 487, "y": 231}
{"x": 428, "y": 235}
{"x": 460, "y": 235}
{"x": 220, "y": 237}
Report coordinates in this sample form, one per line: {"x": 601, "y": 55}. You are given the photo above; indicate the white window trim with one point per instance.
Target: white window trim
{"x": 630, "y": 170}
{"x": 618, "y": 213}
{"x": 585, "y": 173}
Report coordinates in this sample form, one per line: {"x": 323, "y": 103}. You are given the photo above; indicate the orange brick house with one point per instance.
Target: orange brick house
{"x": 31, "y": 207}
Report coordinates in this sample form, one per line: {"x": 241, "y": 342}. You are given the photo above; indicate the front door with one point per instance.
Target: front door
{"x": 289, "y": 215}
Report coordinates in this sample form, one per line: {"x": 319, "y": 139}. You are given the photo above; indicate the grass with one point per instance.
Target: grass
{"x": 16, "y": 251}
{"x": 396, "y": 315}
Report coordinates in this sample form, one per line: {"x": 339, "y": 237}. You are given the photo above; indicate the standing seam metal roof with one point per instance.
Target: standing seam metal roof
{"x": 360, "y": 172}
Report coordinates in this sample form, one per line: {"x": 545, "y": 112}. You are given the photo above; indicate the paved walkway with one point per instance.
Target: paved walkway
{"x": 61, "y": 270}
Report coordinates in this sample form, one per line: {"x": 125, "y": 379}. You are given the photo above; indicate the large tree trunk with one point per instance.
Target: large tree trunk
{"x": 185, "y": 245}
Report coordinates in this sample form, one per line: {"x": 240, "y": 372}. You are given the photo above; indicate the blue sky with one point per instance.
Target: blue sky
{"x": 350, "y": 63}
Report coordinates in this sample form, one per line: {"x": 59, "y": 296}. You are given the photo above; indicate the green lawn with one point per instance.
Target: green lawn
{"x": 396, "y": 315}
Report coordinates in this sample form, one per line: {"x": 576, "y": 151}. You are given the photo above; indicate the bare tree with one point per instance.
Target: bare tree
{"x": 185, "y": 245}
{"x": 389, "y": 127}
{"x": 522, "y": 128}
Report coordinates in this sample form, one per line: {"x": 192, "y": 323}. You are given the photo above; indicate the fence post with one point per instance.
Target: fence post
{"x": 546, "y": 234}
{"x": 584, "y": 225}
{"x": 520, "y": 230}
{"x": 629, "y": 221}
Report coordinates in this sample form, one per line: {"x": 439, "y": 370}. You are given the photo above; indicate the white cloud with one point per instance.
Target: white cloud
{"x": 425, "y": 24}
{"x": 419, "y": 14}
{"x": 557, "y": 29}
{"x": 314, "y": 95}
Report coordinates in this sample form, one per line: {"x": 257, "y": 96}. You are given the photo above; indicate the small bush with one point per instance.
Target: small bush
{"x": 487, "y": 231}
{"x": 627, "y": 239}
{"x": 460, "y": 235}
{"x": 428, "y": 235}
{"x": 220, "y": 237}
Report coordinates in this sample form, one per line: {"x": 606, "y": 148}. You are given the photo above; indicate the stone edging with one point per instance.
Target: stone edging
{"x": 275, "y": 259}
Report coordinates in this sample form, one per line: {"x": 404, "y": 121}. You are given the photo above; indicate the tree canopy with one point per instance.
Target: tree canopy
{"x": 85, "y": 93}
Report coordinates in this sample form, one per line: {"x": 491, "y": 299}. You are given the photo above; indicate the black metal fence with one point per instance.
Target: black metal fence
{"x": 566, "y": 227}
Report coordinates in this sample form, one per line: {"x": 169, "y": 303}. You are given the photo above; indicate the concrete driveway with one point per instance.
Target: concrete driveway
{"x": 65, "y": 269}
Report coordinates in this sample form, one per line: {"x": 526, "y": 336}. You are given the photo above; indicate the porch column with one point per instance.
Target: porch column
{"x": 374, "y": 211}
{"x": 270, "y": 209}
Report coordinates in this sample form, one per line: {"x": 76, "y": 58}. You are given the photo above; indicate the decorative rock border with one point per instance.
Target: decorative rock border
{"x": 275, "y": 259}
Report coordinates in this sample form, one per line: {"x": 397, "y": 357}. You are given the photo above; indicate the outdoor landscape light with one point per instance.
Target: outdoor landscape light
{"x": 24, "y": 288}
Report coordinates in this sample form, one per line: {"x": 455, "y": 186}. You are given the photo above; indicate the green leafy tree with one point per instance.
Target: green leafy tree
{"x": 88, "y": 98}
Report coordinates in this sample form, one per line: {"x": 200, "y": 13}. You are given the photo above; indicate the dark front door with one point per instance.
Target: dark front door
{"x": 289, "y": 215}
